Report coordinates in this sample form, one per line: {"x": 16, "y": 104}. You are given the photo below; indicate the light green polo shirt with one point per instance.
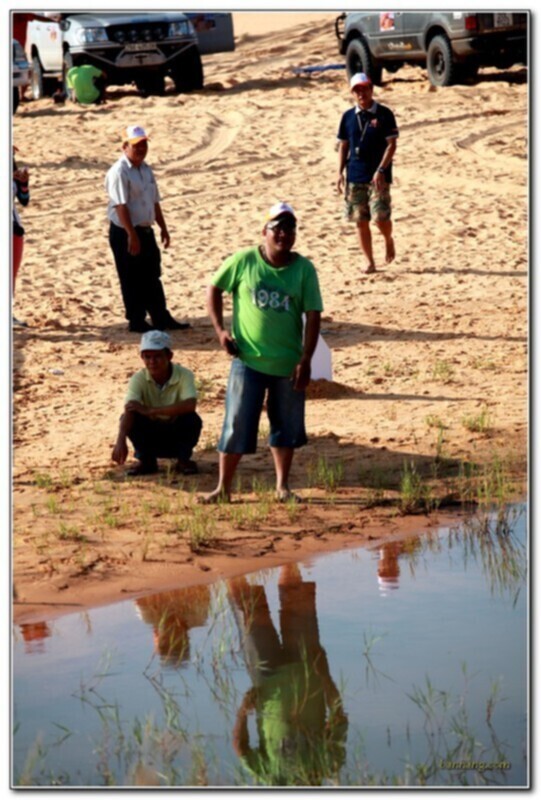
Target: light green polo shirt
{"x": 180, "y": 386}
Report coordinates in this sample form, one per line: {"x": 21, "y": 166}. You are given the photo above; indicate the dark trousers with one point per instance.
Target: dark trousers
{"x": 139, "y": 277}
{"x": 153, "y": 438}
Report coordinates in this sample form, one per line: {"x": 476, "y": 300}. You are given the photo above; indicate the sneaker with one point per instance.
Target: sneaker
{"x": 17, "y": 323}
{"x": 140, "y": 327}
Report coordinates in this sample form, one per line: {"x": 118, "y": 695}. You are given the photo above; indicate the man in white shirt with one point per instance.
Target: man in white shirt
{"x": 134, "y": 205}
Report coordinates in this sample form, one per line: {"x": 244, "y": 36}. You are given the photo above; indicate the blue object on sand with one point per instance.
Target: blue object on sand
{"x": 318, "y": 68}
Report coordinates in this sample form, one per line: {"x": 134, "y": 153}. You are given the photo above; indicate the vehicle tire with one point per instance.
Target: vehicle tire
{"x": 187, "y": 72}
{"x": 441, "y": 69}
{"x": 151, "y": 83}
{"x": 40, "y": 86}
{"x": 359, "y": 59}
{"x": 16, "y": 98}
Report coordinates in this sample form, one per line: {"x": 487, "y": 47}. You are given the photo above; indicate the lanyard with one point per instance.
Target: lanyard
{"x": 362, "y": 128}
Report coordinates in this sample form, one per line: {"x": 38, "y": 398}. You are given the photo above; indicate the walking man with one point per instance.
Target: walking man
{"x": 366, "y": 145}
{"x": 159, "y": 416}
{"x": 134, "y": 206}
{"x": 272, "y": 287}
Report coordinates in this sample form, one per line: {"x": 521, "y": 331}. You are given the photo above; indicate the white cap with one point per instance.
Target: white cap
{"x": 134, "y": 134}
{"x": 155, "y": 340}
{"x": 278, "y": 209}
{"x": 360, "y": 79}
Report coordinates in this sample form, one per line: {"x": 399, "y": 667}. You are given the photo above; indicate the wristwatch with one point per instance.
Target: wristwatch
{"x": 381, "y": 169}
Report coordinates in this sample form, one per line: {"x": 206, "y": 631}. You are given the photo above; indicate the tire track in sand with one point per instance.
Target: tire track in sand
{"x": 219, "y": 135}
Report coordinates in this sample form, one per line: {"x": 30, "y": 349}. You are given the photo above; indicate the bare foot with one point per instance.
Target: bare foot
{"x": 389, "y": 250}
{"x": 217, "y": 496}
{"x": 370, "y": 269}
{"x": 287, "y": 496}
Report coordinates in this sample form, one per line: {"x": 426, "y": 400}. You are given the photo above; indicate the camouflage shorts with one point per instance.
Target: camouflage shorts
{"x": 364, "y": 203}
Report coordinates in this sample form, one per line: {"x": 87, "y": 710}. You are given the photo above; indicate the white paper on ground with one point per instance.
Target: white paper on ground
{"x": 321, "y": 360}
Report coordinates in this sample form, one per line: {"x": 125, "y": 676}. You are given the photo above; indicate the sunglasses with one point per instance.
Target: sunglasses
{"x": 285, "y": 225}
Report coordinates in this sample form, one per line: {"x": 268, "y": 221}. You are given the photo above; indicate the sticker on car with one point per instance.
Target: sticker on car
{"x": 503, "y": 20}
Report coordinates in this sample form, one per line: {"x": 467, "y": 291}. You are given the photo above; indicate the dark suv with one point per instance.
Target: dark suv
{"x": 451, "y": 44}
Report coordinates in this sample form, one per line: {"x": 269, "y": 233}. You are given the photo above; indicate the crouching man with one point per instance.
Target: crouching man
{"x": 159, "y": 416}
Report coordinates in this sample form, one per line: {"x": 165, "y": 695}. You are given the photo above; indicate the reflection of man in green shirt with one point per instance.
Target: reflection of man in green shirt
{"x": 86, "y": 84}
{"x": 301, "y": 723}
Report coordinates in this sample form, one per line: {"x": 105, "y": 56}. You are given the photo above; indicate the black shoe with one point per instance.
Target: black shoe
{"x": 143, "y": 468}
{"x": 140, "y": 327}
{"x": 171, "y": 324}
{"x": 186, "y": 467}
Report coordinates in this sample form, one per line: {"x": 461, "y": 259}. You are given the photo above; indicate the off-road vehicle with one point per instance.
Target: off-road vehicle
{"x": 451, "y": 44}
{"x": 140, "y": 48}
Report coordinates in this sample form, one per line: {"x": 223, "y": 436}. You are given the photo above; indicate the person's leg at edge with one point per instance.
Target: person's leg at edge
{"x": 18, "y": 247}
{"x": 226, "y": 472}
{"x": 129, "y": 275}
{"x": 142, "y": 436}
{"x": 283, "y": 458}
{"x": 386, "y": 228}
{"x": 243, "y": 403}
{"x": 365, "y": 240}
{"x": 285, "y": 410}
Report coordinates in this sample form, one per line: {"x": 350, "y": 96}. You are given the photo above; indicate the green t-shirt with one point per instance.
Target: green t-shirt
{"x": 297, "y": 742}
{"x": 268, "y": 304}
{"x": 180, "y": 386}
{"x": 81, "y": 80}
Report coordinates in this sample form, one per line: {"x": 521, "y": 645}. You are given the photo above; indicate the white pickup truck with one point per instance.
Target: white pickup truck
{"x": 140, "y": 48}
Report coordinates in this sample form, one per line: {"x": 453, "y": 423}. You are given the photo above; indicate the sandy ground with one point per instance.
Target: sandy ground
{"x": 429, "y": 354}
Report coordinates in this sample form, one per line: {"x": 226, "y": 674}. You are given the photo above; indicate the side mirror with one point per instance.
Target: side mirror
{"x": 64, "y": 24}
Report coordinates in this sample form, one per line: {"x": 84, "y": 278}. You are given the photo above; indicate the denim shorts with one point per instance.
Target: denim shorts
{"x": 244, "y": 399}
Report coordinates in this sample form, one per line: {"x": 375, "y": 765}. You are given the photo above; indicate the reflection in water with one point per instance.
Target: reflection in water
{"x": 388, "y": 566}
{"x": 492, "y": 540}
{"x": 34, "y": 635}
{"x": 172, "y": 615}
{"x": 301, "y": 724}
{"x": 281, "y": 716}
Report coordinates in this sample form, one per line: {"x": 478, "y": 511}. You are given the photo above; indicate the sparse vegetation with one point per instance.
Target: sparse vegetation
{"x": 70, "y": 533}
{"x": 478, "y": 423}
{"x": 325, "y": 474}
{"x": 443, "y": 371}
{"x": 201, "y": 528}
{"x": 415, "y": 494}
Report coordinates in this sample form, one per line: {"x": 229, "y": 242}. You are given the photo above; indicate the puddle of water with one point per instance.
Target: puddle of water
{"x": 404, "y": 665}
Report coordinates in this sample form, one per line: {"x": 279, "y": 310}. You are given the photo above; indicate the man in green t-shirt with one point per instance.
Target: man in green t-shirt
{"x": 159, "y": 414}
{"x": 86, "y": 84}
{"x": 272, "y": 288}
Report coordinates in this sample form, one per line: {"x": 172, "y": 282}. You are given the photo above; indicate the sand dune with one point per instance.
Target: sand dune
{"x": 435, "y": 339}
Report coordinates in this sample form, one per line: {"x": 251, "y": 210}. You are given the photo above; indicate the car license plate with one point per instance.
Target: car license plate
{"x": 503, "y": 20}
{"x": 137, "y": 47}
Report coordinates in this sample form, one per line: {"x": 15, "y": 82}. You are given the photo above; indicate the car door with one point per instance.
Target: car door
{"x": 413, "y": 25}
{"x": 386, "y": 33}
{"x": 48, "y": 39}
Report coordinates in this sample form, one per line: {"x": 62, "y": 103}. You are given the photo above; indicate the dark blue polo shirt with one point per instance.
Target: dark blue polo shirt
{"x": 367, "y": 133}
